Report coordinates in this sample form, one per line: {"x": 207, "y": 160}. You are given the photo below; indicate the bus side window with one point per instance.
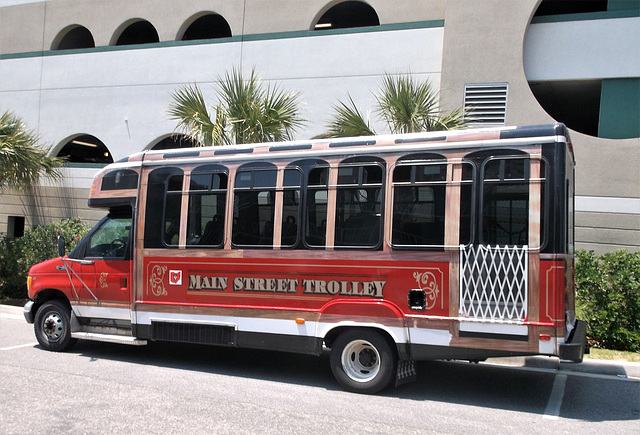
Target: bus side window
{"x": 316, "y": 207}
{"x": 207, "y": 203}
{"x": 292, "y": 185}
{"x": 419, "y": 205}
{"x": 467, "y": 204}
{"x": 111, "y": 240}
{"x": 505, "y": 201}
{"x": 359, "y": 206}
{"x": 173, "y": 202}
{"x": 162, "y": 221}
{"x": 254, "y": 208}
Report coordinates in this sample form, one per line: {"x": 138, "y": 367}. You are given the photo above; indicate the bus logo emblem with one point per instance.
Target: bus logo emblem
{"x": 175, "y": 277}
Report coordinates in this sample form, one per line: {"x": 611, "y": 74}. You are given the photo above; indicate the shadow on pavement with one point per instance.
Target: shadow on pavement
{"x": 487, "y": 386}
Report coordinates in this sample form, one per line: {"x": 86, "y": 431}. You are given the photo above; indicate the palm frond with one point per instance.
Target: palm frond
{"x": 22, "y": 162}
{"x": 348, "y": 121}
{"x": 259, "y": 114}
{"x": 248, "y": 112}
{"x": 455, "y": 120}
{"x": 405, "y": 105}
{"x": 281, "y": 116}
{"x": 408, "y": 106}
{"x": 194, "y": 120}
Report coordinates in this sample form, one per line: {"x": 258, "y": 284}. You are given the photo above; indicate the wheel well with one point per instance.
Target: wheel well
{"x": 47, "y": 295}
{"x": 334, "y": 333}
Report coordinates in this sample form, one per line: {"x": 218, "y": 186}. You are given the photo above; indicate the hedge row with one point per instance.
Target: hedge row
{"x": 38, "y": 244}
{"x": 608, "y": 298}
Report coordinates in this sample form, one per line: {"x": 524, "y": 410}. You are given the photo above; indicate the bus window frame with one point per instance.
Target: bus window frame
{"x": 210, "y": 170}
{"x": 413, "y": 183}
{"x": 155, "y": 215}
{"x": 473, "y": 215}
{"x": 305, "y": 201}
{"x": 361, "y": 164}
{"x": 253, "y": 168}
{"x": 543, "y": 179}
{"x": 179, "y": 194}
{"x": 300, "y": 188}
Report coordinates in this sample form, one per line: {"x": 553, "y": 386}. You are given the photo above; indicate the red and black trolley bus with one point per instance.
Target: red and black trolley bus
{"x": 383, "y": 250}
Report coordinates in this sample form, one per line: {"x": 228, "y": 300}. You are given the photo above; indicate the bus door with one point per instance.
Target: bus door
{"x": 494, "y": 266}
{"x": 106, "y": 265}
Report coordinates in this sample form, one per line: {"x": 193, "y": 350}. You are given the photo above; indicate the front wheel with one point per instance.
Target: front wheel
{"x": 362, "y": 361}
{"x": 53, "y": 326}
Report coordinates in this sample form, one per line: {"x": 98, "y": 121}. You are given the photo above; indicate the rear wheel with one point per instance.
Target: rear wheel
{"x": 362, "y": 361}
{"x": 52, "y": 326}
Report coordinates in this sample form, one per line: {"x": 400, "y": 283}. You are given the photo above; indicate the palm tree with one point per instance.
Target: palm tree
{"x": 405, "y": 105}
{"x": 248, "y": 112}
{"x": 22, "y": 162}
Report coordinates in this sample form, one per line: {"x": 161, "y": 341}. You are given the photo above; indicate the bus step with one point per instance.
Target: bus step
{"x": 109, "y": 338}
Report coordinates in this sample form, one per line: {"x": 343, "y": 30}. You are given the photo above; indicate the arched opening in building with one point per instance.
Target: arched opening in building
{"x": 346, "y": 15}
{"x": 73, "y": 37}
{"x": 564, "y": 7}
{"x": 85, "y": 149}
{"x": 208, "y": 26}
{"x": 139, "y": 32}
{"x": 173, "y": 141}
{"x": 600, "y": 107}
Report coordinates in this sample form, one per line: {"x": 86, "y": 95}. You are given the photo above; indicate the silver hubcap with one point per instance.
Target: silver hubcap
{"x": 360, "y": 360}
{"x": 53, "y": 326}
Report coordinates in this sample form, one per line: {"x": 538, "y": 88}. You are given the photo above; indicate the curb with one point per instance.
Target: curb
{"x": 620, "y": 369}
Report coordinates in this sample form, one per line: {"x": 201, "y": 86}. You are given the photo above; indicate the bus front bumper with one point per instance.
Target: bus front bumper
{"x": 28, "y": 311}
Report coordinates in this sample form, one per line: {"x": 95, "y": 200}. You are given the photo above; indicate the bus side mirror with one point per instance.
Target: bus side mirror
{"x": 61, "y": 246}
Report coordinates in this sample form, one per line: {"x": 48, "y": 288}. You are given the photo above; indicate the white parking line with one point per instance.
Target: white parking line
{"x": 552, "y": 411}
{"x": 18, "y": 346}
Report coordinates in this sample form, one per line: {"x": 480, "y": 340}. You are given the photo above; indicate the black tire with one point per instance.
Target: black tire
{"x": 363, "y": 361}
{"x": 52, "y": 326}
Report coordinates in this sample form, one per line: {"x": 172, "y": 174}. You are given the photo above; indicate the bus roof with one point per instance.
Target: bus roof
{"x": 494, "y": 136}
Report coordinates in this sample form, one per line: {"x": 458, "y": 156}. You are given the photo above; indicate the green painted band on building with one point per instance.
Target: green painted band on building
{"x": 586, "y": 16}
{"x": 243, "y": 38}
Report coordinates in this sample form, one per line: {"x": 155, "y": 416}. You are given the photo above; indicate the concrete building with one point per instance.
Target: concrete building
{"x": 94, "y": 79}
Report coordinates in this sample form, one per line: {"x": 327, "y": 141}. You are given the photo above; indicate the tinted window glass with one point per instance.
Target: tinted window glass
{"x": 254, "y": 208}
{"x": 120, "y": 179}
{"x": 359, "y": 206}
{"x": 207, "y": 203}
{"x": 419, "y": 205}
{"x": 111, "y": 240}
{"x": 162, "y": 215}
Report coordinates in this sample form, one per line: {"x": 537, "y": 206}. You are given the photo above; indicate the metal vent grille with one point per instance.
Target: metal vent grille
{"x": 485, "y": 104}
{"x": 494, "y": 282}
{"x": 193, "y": 333}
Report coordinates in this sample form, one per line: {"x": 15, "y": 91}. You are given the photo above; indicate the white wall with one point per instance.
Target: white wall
{"x": 591, "y": 49}
{"x": 4, "y": 3}
{"x": 94, "y": 93}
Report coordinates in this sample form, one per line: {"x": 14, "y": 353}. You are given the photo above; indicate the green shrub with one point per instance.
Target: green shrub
{"x": 608, "y": 298}
{"x": 38, "y": 244}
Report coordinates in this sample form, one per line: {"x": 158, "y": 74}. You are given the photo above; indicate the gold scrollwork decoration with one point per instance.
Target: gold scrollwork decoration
{"x": 156, "y": 280}
{"x": 427, "y": 282}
